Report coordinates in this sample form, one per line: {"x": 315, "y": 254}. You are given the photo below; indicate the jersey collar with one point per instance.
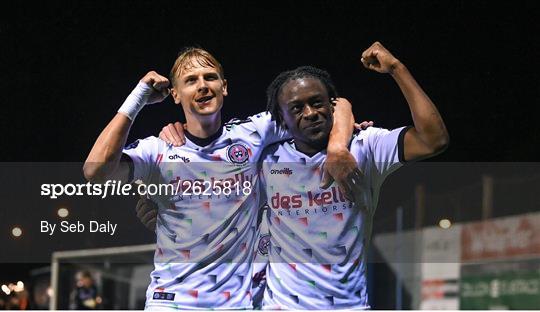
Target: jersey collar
{"x": 202, "y": 142}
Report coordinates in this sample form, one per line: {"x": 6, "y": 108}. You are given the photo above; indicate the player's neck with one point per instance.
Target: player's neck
{"x": 308, "y": 149}
{"x": 203, "y": 127}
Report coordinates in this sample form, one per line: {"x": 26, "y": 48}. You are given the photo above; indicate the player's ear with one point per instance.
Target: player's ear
{"x": 224, "y": 87}
{"x": 175, "y": 96}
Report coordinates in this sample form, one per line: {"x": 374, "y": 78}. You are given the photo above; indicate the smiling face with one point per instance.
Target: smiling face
{"x": 306, "y": 110}
{"x": 200, "y": 89}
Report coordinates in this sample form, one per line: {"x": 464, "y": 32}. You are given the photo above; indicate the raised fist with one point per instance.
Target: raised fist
{"x": 379, "y": 59}
{"x": 160, "y": 84}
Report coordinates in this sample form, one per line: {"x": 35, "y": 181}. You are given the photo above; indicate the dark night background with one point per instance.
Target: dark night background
{"x": 66, "y": 68}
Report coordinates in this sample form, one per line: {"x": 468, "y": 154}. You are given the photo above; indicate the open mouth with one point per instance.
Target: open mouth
{"x": 204, "y": 100}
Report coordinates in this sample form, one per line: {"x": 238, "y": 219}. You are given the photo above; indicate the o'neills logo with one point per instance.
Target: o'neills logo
{"x": 183, "y": 158}
{"x": 285, "y": 171}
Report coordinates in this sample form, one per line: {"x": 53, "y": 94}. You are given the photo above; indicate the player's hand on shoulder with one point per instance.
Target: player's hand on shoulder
{"x": 160, "y": 84}
{"x": 173, "y": 134}
{"x": 364, "y": 125}
{"x": 379, "y": 59}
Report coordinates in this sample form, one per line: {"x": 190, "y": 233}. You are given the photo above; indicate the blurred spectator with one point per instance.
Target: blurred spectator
{"x": 85, "y": 295}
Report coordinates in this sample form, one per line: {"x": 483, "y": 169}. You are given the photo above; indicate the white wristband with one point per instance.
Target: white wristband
{"x": 136, "y": 100}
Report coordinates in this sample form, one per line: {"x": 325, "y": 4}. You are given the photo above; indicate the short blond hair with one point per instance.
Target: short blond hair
{"x": 190, "y": 55}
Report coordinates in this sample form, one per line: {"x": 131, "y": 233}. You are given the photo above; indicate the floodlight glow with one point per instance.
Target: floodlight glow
{"x": 63, "y": 212}
{"x": 16, "y": 231}
{"x": 445, "y": 223}
{"x": 19, "y": 287}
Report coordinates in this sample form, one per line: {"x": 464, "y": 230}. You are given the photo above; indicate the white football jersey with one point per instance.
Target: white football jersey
{"x": 319, "y": 240}
{"x": 207, "y": 227}
{"x": 260, "y": 262}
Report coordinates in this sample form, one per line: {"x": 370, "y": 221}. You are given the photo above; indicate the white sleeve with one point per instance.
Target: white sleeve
{"x": 385, "y": 151}
{"x": 145, "y": 157}
{"x": 267, "y": 128}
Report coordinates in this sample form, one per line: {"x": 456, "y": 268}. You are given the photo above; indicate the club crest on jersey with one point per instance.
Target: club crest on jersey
{"x": 263, "y": 244}
{"x": 238, "y": 153}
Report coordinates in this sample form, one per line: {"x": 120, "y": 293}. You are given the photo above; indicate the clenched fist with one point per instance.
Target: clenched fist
{"x": 379, "y": 59}
{"x": 160, "y": 84}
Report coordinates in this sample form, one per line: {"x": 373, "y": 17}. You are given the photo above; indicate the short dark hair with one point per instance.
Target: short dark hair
{"x": 274, "y": 89}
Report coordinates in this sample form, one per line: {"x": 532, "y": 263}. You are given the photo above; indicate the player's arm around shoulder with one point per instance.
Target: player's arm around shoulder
{"x": 340, "y": 164}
